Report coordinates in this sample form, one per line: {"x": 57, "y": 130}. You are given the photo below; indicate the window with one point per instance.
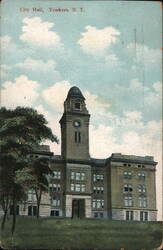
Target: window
{"x": 54, "y": 213}
{"x": 32, "y": 210}
{"x": 77, "y": 105}
{"x": 31, "y": 196}
{"x": 129, "y": 215}
{"x": 98, "y": 204}
{"x": 98, "y": 215}
{"x": 141, "y": 188}
{"x": 55, "y": 202}
{"x": 142, "y": 201}
{"x": 53, "y": 187}
{"x": 77, "y": 176}
{"x": 77, "y": 137}
{"x": 141, "y": 176}
{"x": 16, "y": 210}
{"x": 127, "y": 188}
{"x": 78, "y": 187}
{"x": 56, "y": 174}
{"x": 143, "y": 216}
{"x": 98, "y": 177}
{"x": 127, "y": 175}
{"x": 128, "y": 202}
{"x": 98, "y": 190}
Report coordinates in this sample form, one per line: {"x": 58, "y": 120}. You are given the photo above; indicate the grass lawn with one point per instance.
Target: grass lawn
{"x": 51, "y": 233}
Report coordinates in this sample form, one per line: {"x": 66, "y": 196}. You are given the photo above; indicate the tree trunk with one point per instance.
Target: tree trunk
{"x": 4, "y": 220}
{"x": 38, "y": 203}
{"x": 13, "y": 218}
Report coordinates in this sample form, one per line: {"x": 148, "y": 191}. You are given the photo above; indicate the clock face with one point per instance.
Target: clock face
{"x": 77, "y": 124}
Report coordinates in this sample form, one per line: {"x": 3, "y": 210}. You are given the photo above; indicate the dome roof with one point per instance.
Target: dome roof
{"x": 75, "y": 92}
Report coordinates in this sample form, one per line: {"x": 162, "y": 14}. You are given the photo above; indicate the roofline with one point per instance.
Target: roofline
{"x": 131, "y": 161}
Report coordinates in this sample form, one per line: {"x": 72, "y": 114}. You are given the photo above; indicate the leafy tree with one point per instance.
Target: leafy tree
{"x": 40, "y": 170}
{"x": 21, "y": 131}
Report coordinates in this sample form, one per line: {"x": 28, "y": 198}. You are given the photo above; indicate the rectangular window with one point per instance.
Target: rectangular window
{"x": 98, "y": 204}
{"x": 98, "y": 177}
{"x": 98, "y": 190}
{"x": 141, "y": 176}
{"x": 127, "y": 175}
{"x": 54, "y": 213}
{"x": 77, "y": 176}
{"x": 55, "y": 202}
{"x": 127, "y": 188}
{"x": 141, "y": 188}
{"x": 77, "y": 137}
{"x": 128, "y": 202}
{"x": 143, "y": 216}
{"x": 142, "y": 202}
{"x": 129, "y": 215}
{"x": 56, "y": 174}
{"x": 72, "y": 175}
{"x": 82, "y": 176}
{"x": 72, "y": 187}
{"x": 53, "y": 187}
{"x": 77, "y": 105}
{"x": 31, "y": 196}
{"x": 32, "y": 210}
{"x": 78, "y": 187}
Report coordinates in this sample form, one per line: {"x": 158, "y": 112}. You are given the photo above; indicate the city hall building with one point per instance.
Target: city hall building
{"x": 120, "y": 187}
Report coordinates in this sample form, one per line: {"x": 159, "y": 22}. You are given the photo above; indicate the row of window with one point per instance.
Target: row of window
{"x": 128, "y": 175}
{"x": 128, "y": 201}
{"x": 32, "y": 210}
{"x": 77, "y": 176}
{"x": 98, "y": 177}
{"x": 77, "y": 187}
{"x": 53, "y": 187}
{"x": 129, "y": 188}
{"x": 97, "y": 204}
{"x": 129, "y": 165}
{"x": 143, "y": 215}
{"x": 98, "y": 190}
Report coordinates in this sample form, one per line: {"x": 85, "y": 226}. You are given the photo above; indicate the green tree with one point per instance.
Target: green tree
{"x": 21, "y": 131}
{"x": 40, "y": 171}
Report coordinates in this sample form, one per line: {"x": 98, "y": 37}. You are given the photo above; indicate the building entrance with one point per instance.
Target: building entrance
{"x": 78, "y": 208}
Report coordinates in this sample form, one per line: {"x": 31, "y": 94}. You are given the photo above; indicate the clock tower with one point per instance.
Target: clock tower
{"x": 75, "y": 127}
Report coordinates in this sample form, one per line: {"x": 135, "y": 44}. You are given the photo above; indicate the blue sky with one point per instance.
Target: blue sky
{"x": 111, "y": 50}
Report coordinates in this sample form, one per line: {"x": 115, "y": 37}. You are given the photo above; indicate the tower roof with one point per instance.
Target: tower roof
{"x": 75, "y": 92}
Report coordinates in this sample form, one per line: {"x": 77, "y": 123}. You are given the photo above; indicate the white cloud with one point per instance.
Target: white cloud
{"x": 22, "y": 92}
{"x": 144, "y": 55}
{"x": 56, "y": 95}
{"x": 37, "y": 65}
{"x": 53, "y": 123}
{"x": 4, "y": 70}
{"x": 36, "y": 32}
{"x": 95, "y": 40}
{"x": 5, "y": 42}
{"x": 113, "y": 61}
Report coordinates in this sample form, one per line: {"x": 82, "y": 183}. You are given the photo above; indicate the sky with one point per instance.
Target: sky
{"x": 111, "y": 50}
